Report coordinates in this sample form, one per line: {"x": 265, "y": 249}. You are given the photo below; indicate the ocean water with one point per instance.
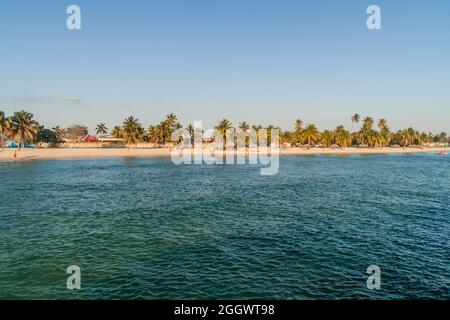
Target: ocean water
{"x": 148, "y": 229}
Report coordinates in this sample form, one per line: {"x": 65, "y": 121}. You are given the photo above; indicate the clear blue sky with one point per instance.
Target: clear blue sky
{"x": 262, "y": 61}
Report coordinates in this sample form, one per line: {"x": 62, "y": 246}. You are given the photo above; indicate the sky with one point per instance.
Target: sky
{"x": 260, "y": 61}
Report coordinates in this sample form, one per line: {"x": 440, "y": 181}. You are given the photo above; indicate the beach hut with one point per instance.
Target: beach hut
{"x": 89, "y": 138}
{"x": 14, "y": 145}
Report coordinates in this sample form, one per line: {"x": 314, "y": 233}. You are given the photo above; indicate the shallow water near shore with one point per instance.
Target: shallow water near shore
{"x": 143, "y": 228}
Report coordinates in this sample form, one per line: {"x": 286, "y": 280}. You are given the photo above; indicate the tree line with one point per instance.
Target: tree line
{"x": 22, "y": 127}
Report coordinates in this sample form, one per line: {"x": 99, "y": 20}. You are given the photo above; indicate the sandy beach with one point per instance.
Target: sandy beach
{"x": 74, "y": 153}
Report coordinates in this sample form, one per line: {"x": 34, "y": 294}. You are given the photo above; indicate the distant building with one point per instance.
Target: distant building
{"x": 89, "y": 138}
{"x": 109, "y": 138}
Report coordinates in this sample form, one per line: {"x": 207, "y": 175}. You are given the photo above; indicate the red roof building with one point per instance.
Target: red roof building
{"x": 89, "y": 138}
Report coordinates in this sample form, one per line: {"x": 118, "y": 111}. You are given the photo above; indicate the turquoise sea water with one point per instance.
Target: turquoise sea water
{"x": 147, "y": 229}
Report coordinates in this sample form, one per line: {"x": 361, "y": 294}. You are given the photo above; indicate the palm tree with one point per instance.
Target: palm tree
{"x": 327, "y": 138}
{"x": 171, "y": 119}
{"x": 222, "y": 128}
{"x": 408, "y": 137}
{"x": 430, "y": 137}
{"x": 57, "y": 130}
{"x": 117, "y": 132}
{"x": 298, "y": 129}
{"x": 366, "y": 133}
{"x": 343, "y": 137}
{"x": 244, "y": 126}
{"x": 58, "y": 134}
{"x": 132, "y": 130}
{"x": 101, "y": 129}
{"x": 423, "y": 138}
{"x": 382, "y": 124}
{"x": 191, "y": 130}
{"x": 376, "y": 139}
{"x": 155, "y": 133}
{"x": 443, "y": 137}
{"x": 298, "y": 125}
{"x": 23, "y": 127}
{"x": 286, "y": 137}
{"x": 167, "y": 127}
{"x": 368, "y": 123}
{"x": 385, "y": 132}
{"x": 257, "y": 127}
{"x": 241, "y": 135}
{"x": 310, "y": 135}
{"x": 355, "y": 119}
{"x": 4, "y": 126}
{"x": 269, "y": 129}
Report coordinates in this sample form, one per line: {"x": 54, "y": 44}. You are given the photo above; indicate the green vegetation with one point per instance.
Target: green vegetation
{"x": 22, "y": 128}
{"x": 101, "y": 129}
{"x": 74, "y": 132}
{"x": 47, "y": 136}
{"x": 132, "y": 131}
{"x": 162, "y": 132}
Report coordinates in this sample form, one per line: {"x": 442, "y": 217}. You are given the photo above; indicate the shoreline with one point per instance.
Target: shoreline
{"x": 88, "y": 153}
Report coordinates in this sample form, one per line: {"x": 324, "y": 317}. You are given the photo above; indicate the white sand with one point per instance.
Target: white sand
{"x": 67, "y": 153}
